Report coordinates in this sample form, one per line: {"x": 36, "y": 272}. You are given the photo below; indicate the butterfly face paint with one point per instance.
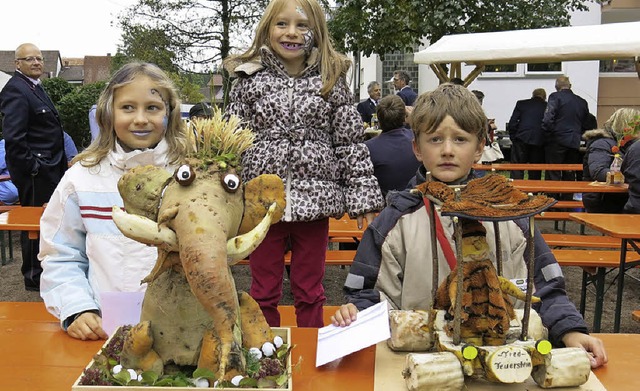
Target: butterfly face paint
{"x": 308, "y": 41}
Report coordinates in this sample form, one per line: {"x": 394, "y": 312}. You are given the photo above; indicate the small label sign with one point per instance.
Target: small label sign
{"x": 511, "y": 364}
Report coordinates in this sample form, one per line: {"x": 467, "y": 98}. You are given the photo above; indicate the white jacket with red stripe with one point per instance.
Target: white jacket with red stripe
{"x": 82, "y": 251}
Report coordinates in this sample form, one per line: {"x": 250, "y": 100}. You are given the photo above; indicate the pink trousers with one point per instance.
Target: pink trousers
{"x": 308, "y": 250}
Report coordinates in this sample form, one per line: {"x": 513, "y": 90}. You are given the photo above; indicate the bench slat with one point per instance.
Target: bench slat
{"x": 587, "y": 258}
{"x": 590, "y": 241}
{"x": 334, "y": 257}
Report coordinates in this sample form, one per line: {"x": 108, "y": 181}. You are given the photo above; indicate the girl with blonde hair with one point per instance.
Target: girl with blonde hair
{"x": 82, "y": 251}
{"x": 291, "y": 89}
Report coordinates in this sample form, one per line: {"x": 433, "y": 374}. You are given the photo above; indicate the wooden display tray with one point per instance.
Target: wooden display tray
{"x": 283, "y": 332}
{"x": 389, "y": 366}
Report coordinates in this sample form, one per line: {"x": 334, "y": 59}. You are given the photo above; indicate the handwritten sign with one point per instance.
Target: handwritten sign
{"x": 510, "y": 364}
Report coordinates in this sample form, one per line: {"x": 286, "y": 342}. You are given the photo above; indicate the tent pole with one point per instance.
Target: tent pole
{"x": 473, "y": 74}
{"x": 441, "y": 74}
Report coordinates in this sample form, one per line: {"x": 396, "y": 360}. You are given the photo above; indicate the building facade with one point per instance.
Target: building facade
{"x": 606, "y": 85}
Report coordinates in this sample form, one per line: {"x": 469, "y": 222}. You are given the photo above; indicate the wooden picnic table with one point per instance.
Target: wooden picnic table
{"x": 22, "y": 218}
{"x": 38, "y": 356}
{"x": 625, "y": 228}
{"x": 547, "y": 186}
{"x": 528, "y": 167}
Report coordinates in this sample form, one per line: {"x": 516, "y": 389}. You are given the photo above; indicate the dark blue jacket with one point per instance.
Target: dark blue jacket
{"x": 565, "y": 119}
{"x": 631, "y": 172}
{"x": 526, "y": 121}
{"x": 366, "y": 108}
{"x": 394, "y": 162}
{"x": 408, "y": 95}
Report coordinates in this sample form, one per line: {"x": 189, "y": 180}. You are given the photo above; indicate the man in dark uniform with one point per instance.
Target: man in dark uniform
{"x": 525, "y": 132}
{"x": 34, "y": 143}
{"x": 564, "y": 122}
{"x": 367, "y": 107}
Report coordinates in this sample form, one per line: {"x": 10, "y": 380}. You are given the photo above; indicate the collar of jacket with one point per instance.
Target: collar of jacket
{"x": 269, "y": 60}
{"x": 597, "y": 133}
{"x": 421, "y": 177}
{"x": 156, "y": 156}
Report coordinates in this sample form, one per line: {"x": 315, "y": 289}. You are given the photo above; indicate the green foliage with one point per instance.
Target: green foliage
{"x": 189, "y": 91}
{"x": 57, "y": 88}
{"x": 74, "y": 111}
{"x": 199, "y": 33}
{"x": 381, "y": 26}
{"x": 150, "y": 45}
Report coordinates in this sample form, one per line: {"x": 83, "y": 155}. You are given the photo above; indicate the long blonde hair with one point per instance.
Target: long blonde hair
{"x": 333, "y": 65}
{"x": 106, "y": 140}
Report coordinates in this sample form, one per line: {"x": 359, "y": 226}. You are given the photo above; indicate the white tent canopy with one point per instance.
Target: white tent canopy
{"x": 576, "y": 43}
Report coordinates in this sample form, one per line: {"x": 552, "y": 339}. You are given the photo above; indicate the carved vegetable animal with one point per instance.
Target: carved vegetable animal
{"x": 191, "y": 313}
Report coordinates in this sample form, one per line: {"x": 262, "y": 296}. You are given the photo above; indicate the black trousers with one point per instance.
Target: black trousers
{"x": 558, "y": 154}
{"x": 522, "y": 152}
{"x": 34, "y": 191}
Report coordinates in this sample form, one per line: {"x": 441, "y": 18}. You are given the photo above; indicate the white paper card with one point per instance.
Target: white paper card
{"x": 371, "y": 327}
{"x": 120, "y": 309}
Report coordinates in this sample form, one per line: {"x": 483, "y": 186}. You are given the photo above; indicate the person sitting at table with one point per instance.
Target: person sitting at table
{"x": 82, "y": 251}
{"x": 8, "y": 191}
{"x": 598, "y": 157}
{"x": 394, "y": 163}
{"x": 393, "y": 260}
{"x": 631, "y": 169}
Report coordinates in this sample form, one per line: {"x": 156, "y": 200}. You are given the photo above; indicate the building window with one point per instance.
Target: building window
{"x": 502, "y": 68}
{"x": 618, "y": 65}
{"x": 555, "y": 67}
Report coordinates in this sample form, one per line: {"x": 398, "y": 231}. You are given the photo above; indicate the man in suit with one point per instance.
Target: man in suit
{"x": 367, "y": 107}
{"x": 34, "y": 145}
{"x": 525, "y": 132}
{"x": 563, "y": 123}
{"x": 401, "y": 81}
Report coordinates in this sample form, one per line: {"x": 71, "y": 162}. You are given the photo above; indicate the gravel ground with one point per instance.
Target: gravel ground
{"x": 12, "y": 289}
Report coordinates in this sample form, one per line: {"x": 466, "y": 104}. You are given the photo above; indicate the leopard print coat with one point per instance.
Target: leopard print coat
{"x": 314, "y": 144}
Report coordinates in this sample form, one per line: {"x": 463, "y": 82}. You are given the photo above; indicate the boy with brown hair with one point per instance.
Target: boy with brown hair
{"x": 393, "y": 261}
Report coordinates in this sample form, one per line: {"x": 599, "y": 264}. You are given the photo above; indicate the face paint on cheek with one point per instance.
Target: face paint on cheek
{"x": 308, "y": 41}
{"x": 165, "y": 122}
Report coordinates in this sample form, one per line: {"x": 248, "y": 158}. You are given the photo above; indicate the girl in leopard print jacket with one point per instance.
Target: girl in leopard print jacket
{"x": 291, "y": 90}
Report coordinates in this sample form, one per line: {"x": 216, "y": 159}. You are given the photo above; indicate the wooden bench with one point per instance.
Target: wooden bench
{"x": 575, "y": 204}
{"x": 8, "y": 244}
{"x": 594, "y": 264}
{"x": 334, "y": 257}
{"x": 528, "y": 167}
{"x": 288, "y": 315}
{"x": 588, "y": 241}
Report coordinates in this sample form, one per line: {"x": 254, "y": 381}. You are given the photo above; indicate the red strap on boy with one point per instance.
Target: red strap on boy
{"x": 442, "y": 239}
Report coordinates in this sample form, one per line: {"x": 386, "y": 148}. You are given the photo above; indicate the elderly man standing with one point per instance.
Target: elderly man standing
{"x": 34, "y": 144}
{"x": 525, "y": 132}
{"x": 367, "y": 107}
{"x": 563, "y": 123}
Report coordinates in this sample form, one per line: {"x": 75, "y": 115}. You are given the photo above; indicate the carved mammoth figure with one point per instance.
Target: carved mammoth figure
{"x": 202, "y": 219}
